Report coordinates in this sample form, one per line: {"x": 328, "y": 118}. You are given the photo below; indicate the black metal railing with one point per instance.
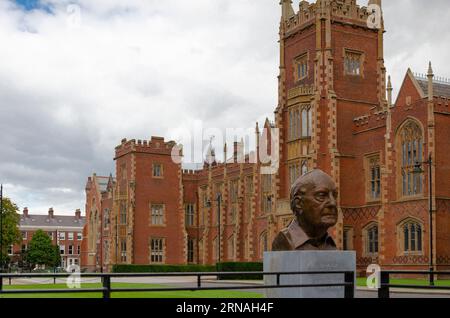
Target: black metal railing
{"x": 385, "y": 285}
{"x": 107, "y": 289}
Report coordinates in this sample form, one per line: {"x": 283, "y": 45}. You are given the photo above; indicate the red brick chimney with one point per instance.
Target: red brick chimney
{"x": 238, "y": 151}
{"x": 50, "y": 213}
{"x": 235, "y": 151}
{"x": 78, "y": 214}
{"x": 25, "y": 212}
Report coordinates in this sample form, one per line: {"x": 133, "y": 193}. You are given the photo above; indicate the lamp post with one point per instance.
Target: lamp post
{"x": 101, "y": 239}
{"x": 418, "y": 170}
{"x": 219, "y": 200}
{"x": 117, "y": 238}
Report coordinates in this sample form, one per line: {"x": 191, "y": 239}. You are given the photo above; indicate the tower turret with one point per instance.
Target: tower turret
{"x": 389, "y": 91}
{"x": 430, "y": 76}
{"x": 286, "y": 10}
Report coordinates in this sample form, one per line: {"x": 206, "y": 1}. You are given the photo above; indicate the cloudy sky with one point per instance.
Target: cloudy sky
{"x": 78, "y": 76}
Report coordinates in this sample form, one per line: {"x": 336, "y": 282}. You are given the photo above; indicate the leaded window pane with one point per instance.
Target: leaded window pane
{"x": 412, "y": 237}
{"x": 409, "y": 184}
{"x": 420, "y": 150}
{"x": 409, "y": 153}
{"x": 372, "y": 234}
{"x": 406, "y": 237}
{"x": 405, "y": 154}
{"x": 305, "y": 123}
{"x": 291, "y": 124}
{"x": 419, "y": 238}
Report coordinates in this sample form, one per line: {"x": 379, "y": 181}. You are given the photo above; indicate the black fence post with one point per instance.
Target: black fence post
{"x": 106, "y": 287}
{"x": 383, "y": 291}
{"x": 349, "y": 285}
{"x": 199, "y": 281}
{"x": 278, "y": 279}
{"x": 431, "y": 276}
{"x": 1, "y": 283}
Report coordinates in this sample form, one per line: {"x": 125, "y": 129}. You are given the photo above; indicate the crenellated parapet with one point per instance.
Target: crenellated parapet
{"x": 346, "y": 11}
{"x": 380, "y": 115}
{"x": 375, "y": 119}
{"x": 442, "y": 104}
{"x": 156, "y": 145}
{"x": 305, "y": 15}
{"x": 217, "y": 170}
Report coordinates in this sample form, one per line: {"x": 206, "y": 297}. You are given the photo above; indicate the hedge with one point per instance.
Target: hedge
{"x": 240, "y": 267}
{"x": 220, "y": 267}
{"x": 121, "y": 268}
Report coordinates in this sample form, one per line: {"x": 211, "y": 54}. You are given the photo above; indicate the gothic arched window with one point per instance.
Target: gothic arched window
{"x": 373, "y": 177}
{"x": 371, "y": 239}
{"x": 300, "y": 122}
{"x": 410, "y": 139}
{"x": 353, "y": 62}
{"x": 411, "y": 232}
{"x": 301, "y": 67}
{"x": 306, "y": 122}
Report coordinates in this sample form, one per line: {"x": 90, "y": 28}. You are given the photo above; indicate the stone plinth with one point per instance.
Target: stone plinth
{"x": 308, "y": 261}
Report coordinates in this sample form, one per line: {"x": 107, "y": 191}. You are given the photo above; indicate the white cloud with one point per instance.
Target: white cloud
{"x": 135, "y": 70}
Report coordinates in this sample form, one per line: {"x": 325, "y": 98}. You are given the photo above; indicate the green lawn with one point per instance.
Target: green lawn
{"x": 169, "y": 294}
{"x": 422, "y": 282}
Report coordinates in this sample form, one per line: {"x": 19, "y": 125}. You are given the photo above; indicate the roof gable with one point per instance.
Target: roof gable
{"x": 420, "y": 82}
{"x": 409, "y": 82}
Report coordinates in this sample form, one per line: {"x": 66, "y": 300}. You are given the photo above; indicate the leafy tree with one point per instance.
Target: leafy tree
{"x": 56, "y": 256}
{"x": 41, "y": 251}
{"x": 10, "y": 229}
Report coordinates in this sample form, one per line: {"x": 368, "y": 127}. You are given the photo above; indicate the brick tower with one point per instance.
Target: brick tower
{"x": 331, "y": 71}
{"x": 147, "y": 221}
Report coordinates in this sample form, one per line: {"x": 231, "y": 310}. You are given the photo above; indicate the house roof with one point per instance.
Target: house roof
{"x": 439, "y": 88}
{"x": 58, "y": 221}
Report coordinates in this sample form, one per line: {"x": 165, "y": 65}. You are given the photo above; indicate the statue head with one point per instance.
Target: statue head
{"x": 313, "y": 202}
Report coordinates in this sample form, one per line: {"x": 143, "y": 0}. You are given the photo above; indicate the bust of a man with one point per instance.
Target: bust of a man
{"x": 313, "y": 202}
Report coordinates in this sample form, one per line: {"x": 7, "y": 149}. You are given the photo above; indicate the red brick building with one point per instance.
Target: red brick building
{"x": 335, "y": 112}
{"x": 99, "y": 203}
{"x": 65, "y": 231}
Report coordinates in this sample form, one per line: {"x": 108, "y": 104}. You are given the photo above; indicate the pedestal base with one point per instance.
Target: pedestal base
{"x": 308, "y": 261}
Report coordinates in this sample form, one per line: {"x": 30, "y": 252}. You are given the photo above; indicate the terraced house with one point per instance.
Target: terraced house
{"x": 335, "y": 112}
{"x": 65, "y": 231}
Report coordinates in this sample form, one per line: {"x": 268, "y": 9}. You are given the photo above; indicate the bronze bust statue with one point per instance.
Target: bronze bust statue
{"x": 313, "y": 202}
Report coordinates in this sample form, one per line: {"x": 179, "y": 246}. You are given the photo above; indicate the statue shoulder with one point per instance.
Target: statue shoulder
{"x": 281, "y": 242}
